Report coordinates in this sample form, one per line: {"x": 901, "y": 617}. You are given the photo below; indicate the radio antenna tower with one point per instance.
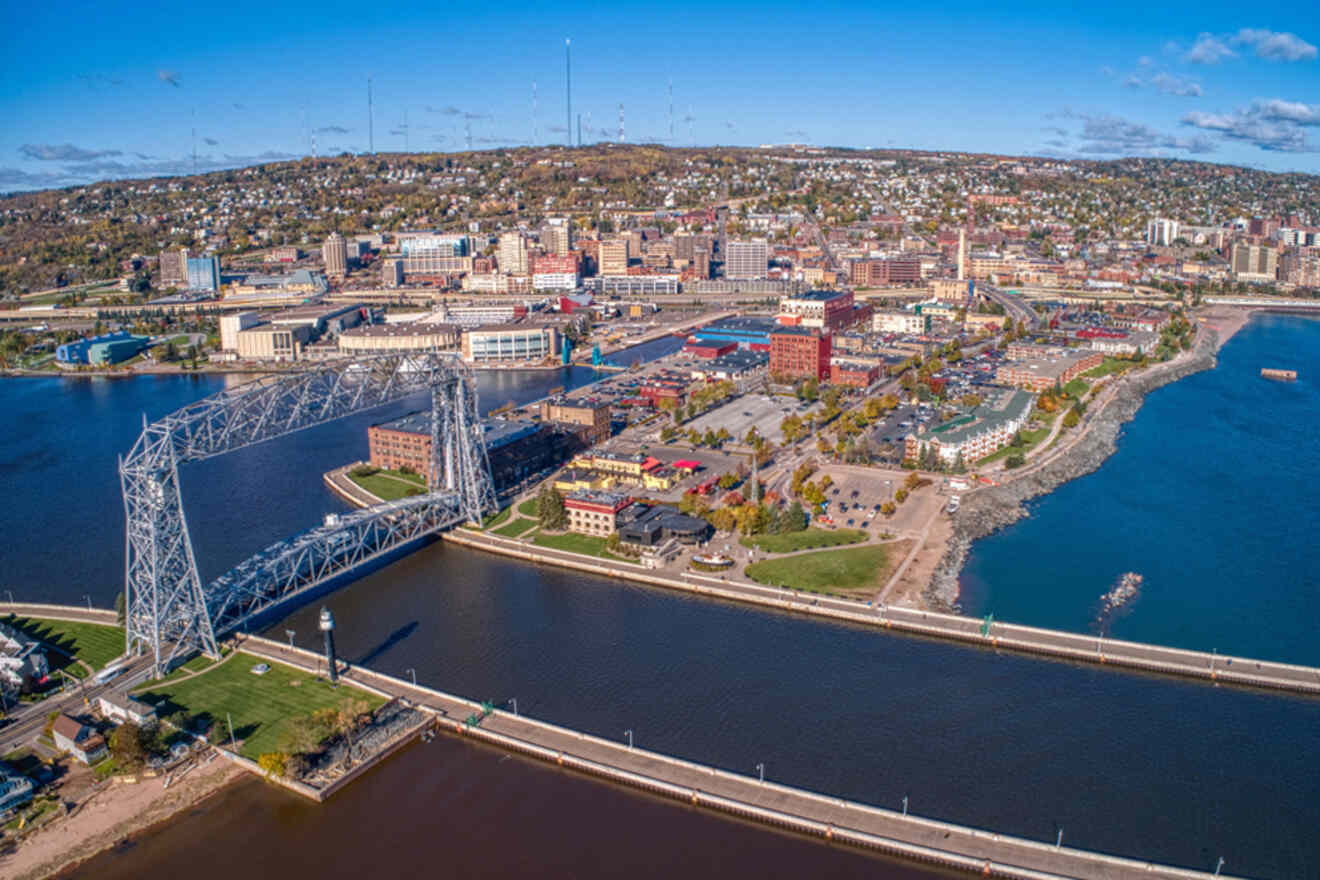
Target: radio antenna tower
{"x": 371, "y": 124}
{"x": 622, "y": 139}
{"x": 671, "y": 110}
{"x": 568, "y": 91}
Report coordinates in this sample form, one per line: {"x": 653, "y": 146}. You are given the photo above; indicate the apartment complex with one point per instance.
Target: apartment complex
{"x": 1041, "y": 374}
{"x": 974, "y": 435}
{"x": 897, "y": 321}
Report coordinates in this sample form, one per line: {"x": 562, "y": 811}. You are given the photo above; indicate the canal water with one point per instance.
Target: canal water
{"x": 1211, "y": 496}
{"x": 1167, "y": 770}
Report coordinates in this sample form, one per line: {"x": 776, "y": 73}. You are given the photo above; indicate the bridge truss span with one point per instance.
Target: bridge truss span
{"x": 166, "y": 605}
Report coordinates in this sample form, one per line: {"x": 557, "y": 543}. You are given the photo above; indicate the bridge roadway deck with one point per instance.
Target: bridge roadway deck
{"x": 1210, "y": 667}
{"x": 911, "y": 837}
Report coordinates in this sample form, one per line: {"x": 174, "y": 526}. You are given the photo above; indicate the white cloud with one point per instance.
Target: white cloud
{"x": 1275, "y": 125}
{"x": 1275, "y": 45}
{"x": 1208, "y": 49}
{"x": 1176, "y": 85}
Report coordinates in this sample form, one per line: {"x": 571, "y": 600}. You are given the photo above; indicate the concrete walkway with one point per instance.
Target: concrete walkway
{"x": 835, "y": 819}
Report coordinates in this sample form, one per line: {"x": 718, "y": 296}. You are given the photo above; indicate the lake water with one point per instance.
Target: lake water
{"x": 1168, "y": 770}
{"x": 1212, "y": 497}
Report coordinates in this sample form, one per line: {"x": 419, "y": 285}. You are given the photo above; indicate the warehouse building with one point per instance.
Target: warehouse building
{"x": 108, "y": 348}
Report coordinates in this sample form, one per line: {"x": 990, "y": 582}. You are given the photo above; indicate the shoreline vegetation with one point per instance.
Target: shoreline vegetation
{"x": 990, "y": 509}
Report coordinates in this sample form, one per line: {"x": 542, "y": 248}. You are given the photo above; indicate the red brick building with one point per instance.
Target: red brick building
{"x": 800, "y": 353}
{"x": 854, "y": 374}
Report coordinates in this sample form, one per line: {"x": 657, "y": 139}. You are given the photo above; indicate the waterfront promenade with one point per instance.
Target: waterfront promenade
{"x": 1211, "y": 667}
{"x": 887, "y": 831}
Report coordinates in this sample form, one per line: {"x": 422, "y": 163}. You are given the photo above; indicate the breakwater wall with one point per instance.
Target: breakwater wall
{"x": 1055, "y": 644}
{"x": 988, "y": 510}
{"x": 834, "y": 819}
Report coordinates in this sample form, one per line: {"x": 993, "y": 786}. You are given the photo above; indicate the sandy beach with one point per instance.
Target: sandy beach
{"x": 110, "y": 815}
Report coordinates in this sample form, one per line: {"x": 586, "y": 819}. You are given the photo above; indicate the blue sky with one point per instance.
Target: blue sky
{"x": 111, "y": 90}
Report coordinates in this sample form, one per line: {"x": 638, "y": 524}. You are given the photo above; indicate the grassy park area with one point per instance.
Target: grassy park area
{"x": 832, "y": 571}
{"x": 516, "y": 528}
{"x": 388, "y": 485}
{"x": 807, "y": 539}
{"x": 1111, "y": 366}
{"x": 92, "y": 643}
{"x": 588, "y": 545}
{"x": 258, "y": 705}
{"x": 528, "y": 507}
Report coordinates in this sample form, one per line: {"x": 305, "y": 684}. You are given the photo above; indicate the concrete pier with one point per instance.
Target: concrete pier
{"x": 1213, "y": 667}
{"x": 888, "y": 831}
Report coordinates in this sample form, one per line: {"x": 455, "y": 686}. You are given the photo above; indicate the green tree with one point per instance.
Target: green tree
{"x": 795, "y": 518}
{"x": 550, "y": 508}
{"x": 127, "y": 746}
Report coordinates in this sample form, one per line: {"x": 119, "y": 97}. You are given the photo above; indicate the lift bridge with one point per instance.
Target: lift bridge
{"x": 169, "y": 610}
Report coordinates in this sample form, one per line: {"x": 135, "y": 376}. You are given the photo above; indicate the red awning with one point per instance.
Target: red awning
{"x": 687, "y": 464}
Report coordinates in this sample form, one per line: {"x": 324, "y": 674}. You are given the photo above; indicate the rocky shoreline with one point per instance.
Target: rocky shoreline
{"x": 988, "y": 510}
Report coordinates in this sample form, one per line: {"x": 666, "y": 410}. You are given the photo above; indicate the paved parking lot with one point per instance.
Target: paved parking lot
{"x": 857, "y": 494}
{"x": 764, "y": 412}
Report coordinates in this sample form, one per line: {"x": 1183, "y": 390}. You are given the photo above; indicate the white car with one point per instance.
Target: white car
{"x": 261, "y": 669}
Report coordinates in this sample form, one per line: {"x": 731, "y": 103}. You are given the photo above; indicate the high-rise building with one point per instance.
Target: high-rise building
{"x": 173, "y": 268}
{"x": 1253, "y": 262}
{"x": 1301, "y": 266}
{"x": 557, "y": 235}
{"x": 962, "y": 254}
{"x": 1161, "y": 232}
{"x": 512, "y": 253}
{"x": 747, "y": 259}
{"x": 203, "y": 273}
{"x": 614, "y": 257}
{"x": 335, "y": 253}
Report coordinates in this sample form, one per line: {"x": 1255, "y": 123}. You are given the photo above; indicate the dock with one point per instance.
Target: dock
{"x": 833, "y": 819}
{"x": 1280, "y": 375}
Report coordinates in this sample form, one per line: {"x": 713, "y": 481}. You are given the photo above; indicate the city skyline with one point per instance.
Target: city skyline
{"x": 1219, "y": 85}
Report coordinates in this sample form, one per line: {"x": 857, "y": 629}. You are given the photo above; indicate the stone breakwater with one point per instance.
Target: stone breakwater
{"x": 988, "y": 510}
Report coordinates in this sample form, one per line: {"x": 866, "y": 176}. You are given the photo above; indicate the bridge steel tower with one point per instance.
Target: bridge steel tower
{"x": 168, "y": 609}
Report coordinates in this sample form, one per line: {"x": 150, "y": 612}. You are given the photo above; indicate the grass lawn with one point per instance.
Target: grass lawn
{"x": 528, "y": 507}
{"x": 92, "y": 643}
{"x": 571, "y": 542}
{"x": 1111, "y": 366}
{"x": 516, "y": 528}
{"x": 1032, "y": 439}
{"x": 1076, "y": 388}
{"x": 391, "y": 485}
{"x": 259, "y": 705}
{"x": 831, "y": 571}
{"x": 808, "y": 539}
{"x": 496, "y": 519}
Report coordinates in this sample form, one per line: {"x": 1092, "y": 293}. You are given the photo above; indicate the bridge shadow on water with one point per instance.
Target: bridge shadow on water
{"x": 390, "y": 641}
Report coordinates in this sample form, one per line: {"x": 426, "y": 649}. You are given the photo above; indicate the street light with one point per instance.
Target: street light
{"x": 11, "y": 597}
{"x": 760, "y": 769}
{"x": 1218, "y": 866}
{"x": 905, "y": 799}
{"x": 1058, "y": 842}
{"x": 89, "y": 601}
{"x": 413, "y": 673}
{"x": 514, "y": 701}
{"x": 628, "y": 733}
{"x": 290, "y": 634}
